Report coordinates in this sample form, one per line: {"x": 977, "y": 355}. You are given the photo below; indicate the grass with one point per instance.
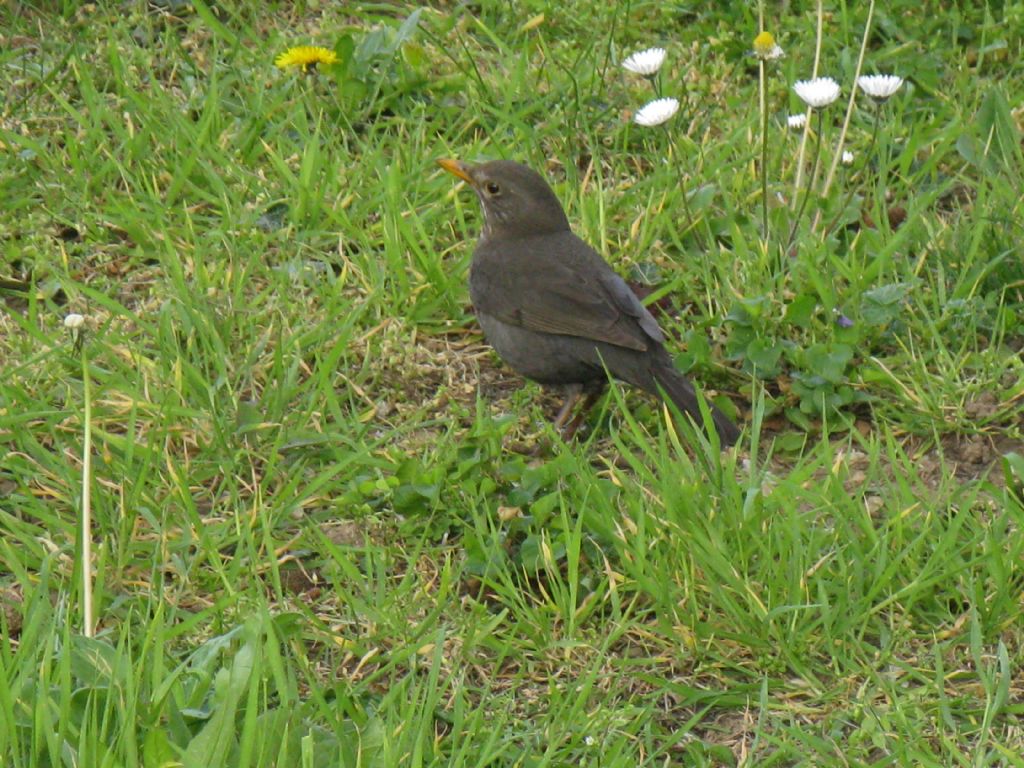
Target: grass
{"x": 329, "y": 528}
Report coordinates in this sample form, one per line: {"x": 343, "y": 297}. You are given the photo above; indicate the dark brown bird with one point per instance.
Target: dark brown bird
{"x": 553, "y": 309}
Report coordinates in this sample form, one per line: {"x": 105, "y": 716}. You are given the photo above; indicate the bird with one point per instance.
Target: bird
{"x": 554, "y": 310}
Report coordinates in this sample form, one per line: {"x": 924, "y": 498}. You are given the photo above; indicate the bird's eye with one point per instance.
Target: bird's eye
{"x": 492, "y": 188}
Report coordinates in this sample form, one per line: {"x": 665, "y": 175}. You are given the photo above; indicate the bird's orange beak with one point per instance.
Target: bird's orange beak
{"x": 456, "y": 168}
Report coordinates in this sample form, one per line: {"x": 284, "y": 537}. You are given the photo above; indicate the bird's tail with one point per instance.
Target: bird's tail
{"x": 682, "y": 394}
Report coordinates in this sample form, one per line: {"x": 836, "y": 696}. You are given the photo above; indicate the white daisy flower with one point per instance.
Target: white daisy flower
{"x": 817, "y": 93}
{"x": 656, "y": 112}
{"x": 646, "y": 62}
{"x": 74, "y": 321}
{"x": 796, "y": 122}
{"x": 879, "y": 87}
{"x": 847, "y": 158}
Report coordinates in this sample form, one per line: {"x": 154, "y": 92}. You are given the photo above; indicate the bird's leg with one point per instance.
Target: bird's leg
{"x": 572, "y": 396}
{"x": 573, "y": 426}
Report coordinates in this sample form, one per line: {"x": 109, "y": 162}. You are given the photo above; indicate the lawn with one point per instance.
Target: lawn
{"x": 328, "y": 527}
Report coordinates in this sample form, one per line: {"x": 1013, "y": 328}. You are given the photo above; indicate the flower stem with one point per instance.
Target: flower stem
{"x": 849, "y": 195}
{"x": 764, "y": 154}
{"x": 655, "y": 81}
{"x": 810, "y": 186}
{"x": 837, "y": 157}
{"x": 807, "y": 127}
{"x": 88, "y": 622}
{"x": 764, "y": 130}
{"x": 691, "y": 225}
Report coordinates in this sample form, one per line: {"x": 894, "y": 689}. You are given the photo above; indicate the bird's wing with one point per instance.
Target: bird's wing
{"x": 559, "y": 284}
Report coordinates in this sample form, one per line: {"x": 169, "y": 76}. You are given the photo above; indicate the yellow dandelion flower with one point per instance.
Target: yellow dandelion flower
{"x": 305, "y": 57}
{"x": 765, "y": 47}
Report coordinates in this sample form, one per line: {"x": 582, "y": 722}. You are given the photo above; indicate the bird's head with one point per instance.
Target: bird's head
{"x": 516, "y": 200}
